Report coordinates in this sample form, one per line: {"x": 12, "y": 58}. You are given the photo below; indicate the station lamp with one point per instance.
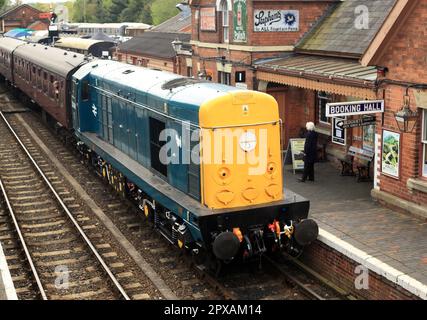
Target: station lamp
{"x": 177, "y": 45}
{"x": 406, "y": 119}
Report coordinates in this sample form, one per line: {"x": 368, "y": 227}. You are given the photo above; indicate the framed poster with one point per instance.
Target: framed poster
{"x": 390, "y": 154}
{"x": 369, "y": 138}
{"x": 297, "y": 149}
{"x": 208, "y": 19}
{"x": 240, "y": 21}
{"x": 339, "y": 134}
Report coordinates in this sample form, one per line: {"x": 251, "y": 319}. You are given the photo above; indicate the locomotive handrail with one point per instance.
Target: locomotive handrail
{"x": 145, "y": 107}
{"x": 243, "y": 125}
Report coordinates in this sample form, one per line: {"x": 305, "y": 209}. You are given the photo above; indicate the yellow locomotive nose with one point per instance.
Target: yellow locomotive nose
{"x": 241, "y": 162}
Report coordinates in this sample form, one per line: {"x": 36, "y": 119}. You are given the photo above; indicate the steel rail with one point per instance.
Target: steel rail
{"x": 70, "y": 216}
{"x": 23, "y": 243}
{"x": 294, "y": 280}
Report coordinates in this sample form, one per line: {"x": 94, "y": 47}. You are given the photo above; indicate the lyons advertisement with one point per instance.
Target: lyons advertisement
{"x": 276, "y": 20}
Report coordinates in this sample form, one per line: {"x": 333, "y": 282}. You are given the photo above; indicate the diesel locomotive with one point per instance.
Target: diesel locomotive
{"x": 201, "y": 160}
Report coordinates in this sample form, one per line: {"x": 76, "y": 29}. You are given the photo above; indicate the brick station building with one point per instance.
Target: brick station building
{"x": 310, "y": 53}
{"x": 19, "y": 17}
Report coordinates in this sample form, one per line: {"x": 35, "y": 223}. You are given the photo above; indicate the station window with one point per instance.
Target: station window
{"x": 322, "y": 99}
{"x": 424, "y": 142}
{"x": 189, "y": 71}
{"x": 225, "y": 21}
{"x": 224, "y": 77}
{"x": 156, "y": 127}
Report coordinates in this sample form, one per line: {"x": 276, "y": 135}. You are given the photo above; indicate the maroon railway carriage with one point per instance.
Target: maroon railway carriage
{"x": 44, "y": 74}
{"x": 7, "y": 46}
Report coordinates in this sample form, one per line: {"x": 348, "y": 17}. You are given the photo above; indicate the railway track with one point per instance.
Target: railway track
{"x": 63, "y": 251}
{"x": 188, "y": 281}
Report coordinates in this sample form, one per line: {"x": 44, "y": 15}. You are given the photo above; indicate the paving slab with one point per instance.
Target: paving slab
{"x": 7, "y": 289}
{"x": 345, "y": 210}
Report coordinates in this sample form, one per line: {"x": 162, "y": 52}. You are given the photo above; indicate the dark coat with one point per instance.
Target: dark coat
{"x": 310, "y": 147}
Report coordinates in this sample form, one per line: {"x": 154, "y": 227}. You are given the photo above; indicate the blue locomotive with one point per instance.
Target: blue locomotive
{"x": 202, "y": 160}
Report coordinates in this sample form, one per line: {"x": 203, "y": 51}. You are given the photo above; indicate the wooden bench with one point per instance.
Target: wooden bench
{"x": 363, "y": 167}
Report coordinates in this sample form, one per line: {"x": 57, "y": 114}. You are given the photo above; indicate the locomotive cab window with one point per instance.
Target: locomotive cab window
{"x": 156, "y": 127}
{"x": 85, "y": 90}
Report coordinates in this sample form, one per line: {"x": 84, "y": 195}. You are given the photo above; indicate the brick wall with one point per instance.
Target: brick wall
{"x": 21, "y": 17}
{"x": 405, "y": 57}
{"x": 309, "y": 12}
{"x": 340, "y": 270}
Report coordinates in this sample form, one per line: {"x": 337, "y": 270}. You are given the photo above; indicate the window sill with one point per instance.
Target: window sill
{"x": 417, "y": 184}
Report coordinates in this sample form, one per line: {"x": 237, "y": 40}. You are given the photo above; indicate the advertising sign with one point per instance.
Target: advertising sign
{"x": 297, "y": 149}
{"x": 276, "y": 20}
{"x": 338, "y": 132}
{"x": 240, "y": 21}
{"x": 208, "y": 19}
{"x": 364, "y": 121}
{"x": 369, "y": 138}
{"x": 341, "y": 109}
{"x": 390, "y": 155}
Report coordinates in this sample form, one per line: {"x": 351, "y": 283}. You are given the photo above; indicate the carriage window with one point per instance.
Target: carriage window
{"x": 156, "y": 127}
{"x": 74, "y": 90}
{"x": 85, "y": 90}
{"x": 39, "y": 78}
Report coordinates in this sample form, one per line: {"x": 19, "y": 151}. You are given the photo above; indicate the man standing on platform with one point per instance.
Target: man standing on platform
{"x": 310, "y": 152}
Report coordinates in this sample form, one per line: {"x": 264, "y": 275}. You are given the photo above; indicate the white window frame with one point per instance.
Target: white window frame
{"x": 225, "y": 21}
{"x": 424, "y": 142}
{"x": 328, "y": 98}
{"x": 224, "y": 78}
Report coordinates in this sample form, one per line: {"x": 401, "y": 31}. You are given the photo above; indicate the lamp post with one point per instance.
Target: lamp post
{"x": 406, "y": 119}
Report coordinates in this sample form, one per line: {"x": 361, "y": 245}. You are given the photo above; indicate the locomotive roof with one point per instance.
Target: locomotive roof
{"x": 78, "y": 43}
{"x": 53, "y": 59}
{"x": 10, "y": 44}
{"x": 162, "y": 84}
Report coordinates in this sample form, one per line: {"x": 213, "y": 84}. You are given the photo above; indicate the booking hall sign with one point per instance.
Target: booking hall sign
{"x": 239, "y": 21}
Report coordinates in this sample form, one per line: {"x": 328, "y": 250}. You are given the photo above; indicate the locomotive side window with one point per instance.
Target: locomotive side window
{"x": 110, "y": 121}
{"x": 194, "y": 170}
{"x": 156, "y": 127}
{"x": 85, "y": 90}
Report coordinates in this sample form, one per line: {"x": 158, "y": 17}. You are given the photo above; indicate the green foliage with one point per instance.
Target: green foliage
{"x": 136, "y": 11}
{"x": 146, "y": 11}
{"x": 162, "y": 10}
{"x": 85, "y": 11}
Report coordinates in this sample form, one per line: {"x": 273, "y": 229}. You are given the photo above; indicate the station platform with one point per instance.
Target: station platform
{"x": 7, "y": 289}
{"x": 389, "y": 243}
